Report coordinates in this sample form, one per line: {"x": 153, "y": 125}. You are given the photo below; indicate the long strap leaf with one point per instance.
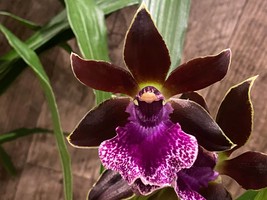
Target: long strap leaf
{"x": 17, "y": 133}
{"x": 88, "y": 24}
{"x": 6, "y": 162}
{"x": 25, "y": 22}
{"x": 30, "y": 57}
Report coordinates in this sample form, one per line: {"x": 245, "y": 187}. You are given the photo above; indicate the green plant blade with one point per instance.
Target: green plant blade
{"x": 58, "y": 24}
{"x": 171, "y": 18}
{"x": 6, "y": 162}
{"x": 30, "y": 57}
{"x": 109, "y": 6}
{"x": 21, "y": 132}
{"x": 262, "y": 194}
{"x": 27, "y": 23}
{"x": 254, "y": 195}
{"x": 88, "y": 25}
{"x": 55, "y": 32}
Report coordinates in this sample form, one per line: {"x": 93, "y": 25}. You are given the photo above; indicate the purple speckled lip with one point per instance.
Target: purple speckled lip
{"x": 149, "y": 150}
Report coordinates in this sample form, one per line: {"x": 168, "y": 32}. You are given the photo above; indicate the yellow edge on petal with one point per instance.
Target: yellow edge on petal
{"x": 224, "y": 155}
{"x": 143, "y": 84}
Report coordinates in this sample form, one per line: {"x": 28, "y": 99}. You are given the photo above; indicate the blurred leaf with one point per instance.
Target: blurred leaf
{"x": 66, "y": 47}
{"x": 235, "y": 114}
{"x": 102, "y": 169}
{"x": 6, "y": 162}
{"x": 27, "y": 23}
{"x": 248, "y": 195}
{"x": 262, "y": 195}
{"x": 58, "y": 24}
{"x": 30, "y": 57}
{"x": 171, "y": 19}
{"x": 55, "y": 32}
{"x": 17, "y": 133}
{"x": 254, "y": 195}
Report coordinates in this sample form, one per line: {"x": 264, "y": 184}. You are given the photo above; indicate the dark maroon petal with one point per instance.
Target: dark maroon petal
{"x": 196, "y": 121}
{"x": 145, "y": 52}
{"x": 151, "y": 154}
{"x": 215, "y": 191}
{"x": 249, "y": 169}
{"x": 197, "y": 74}
{"x": 110, "y": 186}
{"x": 196, "y": 97}
{"x": 235, "y": 115}
{"x": 99, "y": 124}
{"x": 103, "y": 76}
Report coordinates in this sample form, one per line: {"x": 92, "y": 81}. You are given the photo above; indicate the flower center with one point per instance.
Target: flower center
{"x": 149, "y": 104}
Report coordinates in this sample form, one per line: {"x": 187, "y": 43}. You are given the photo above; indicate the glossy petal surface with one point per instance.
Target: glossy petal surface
{"x": 197, "y": 74}
{"x": 190, "y": 181}
{"x": 145, "y": 52}
{"x": 194, "y": 120}
{"x": 103, "y": 76}
{"x": 152, "y": 155}
{"x": 249, "y": 169}
{"x": 110, "y": 186}
{"x": 196, "y": 97}
{"x": 236, "y": 112}
{"x": 99, "y": 124}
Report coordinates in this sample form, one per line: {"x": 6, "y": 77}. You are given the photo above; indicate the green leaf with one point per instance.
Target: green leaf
{"x": 235, "y": 114}
{"x": 101, "y": 96}
{"x": 171, "y": 18}
{"x": 30, "y": 57}
{"x": 17, "y": 133}
{"x": 6, "y": 162}
{"x": 66, "y": 47}
{"x": 55, "y": 32}
{"x": 262, "y": 195}
{"x": 109, "y": 6}
{"x": 25, "y": 22}
{"x": 88, "y": 24}
{"x": 58, "y": 24}
{"x": 254, "y": 195}
{"x": 248, "y": 195}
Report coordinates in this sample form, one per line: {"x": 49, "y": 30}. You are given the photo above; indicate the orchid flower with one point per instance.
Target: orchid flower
{"x": 151, "y": 138}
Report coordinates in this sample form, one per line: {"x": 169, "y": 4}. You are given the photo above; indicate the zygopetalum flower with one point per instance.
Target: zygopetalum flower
{"x": 235, "y": 117}
{"x": 152, "y": 139}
